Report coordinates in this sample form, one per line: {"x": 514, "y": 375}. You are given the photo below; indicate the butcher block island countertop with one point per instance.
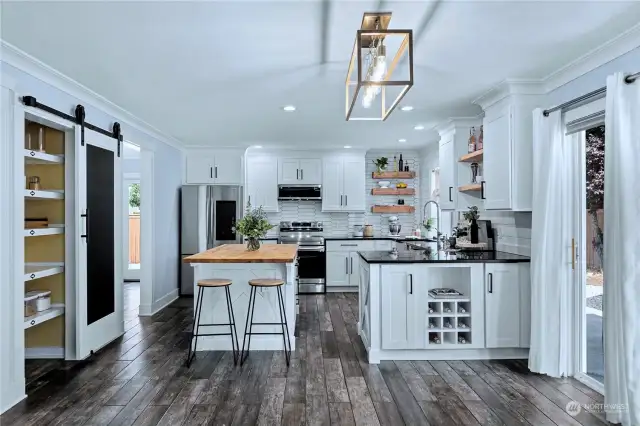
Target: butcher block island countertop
{"x": 238, "y": 253}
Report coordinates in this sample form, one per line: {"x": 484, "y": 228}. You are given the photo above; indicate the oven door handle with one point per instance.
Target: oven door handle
{"x": 311, "y": 248}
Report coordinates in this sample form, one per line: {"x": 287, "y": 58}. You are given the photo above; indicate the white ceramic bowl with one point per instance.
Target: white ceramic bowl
{"x": 384, "y": 183}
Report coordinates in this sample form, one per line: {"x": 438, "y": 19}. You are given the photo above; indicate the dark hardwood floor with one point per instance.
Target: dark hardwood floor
{"x": 141, "y": 379}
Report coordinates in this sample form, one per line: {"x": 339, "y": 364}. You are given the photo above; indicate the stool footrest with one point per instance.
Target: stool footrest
{"x": 210, "y": 325}
{"x": 213, "y": 334}
{"x": 279, "y": 334}
{"x": 267, "y": 323}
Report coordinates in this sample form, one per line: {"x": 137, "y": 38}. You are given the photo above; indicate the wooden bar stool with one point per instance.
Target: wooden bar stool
{"x": 266, "y": 283}
{"x": 233, "y": 332}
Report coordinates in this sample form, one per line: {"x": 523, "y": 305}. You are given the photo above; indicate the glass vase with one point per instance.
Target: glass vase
{"x": 253, "y": 244}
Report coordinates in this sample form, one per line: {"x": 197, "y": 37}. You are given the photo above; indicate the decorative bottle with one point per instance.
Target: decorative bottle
{"x": 480, "y": 143}
{"x": 472, "y": 140}
{"x": 400, "y": 164}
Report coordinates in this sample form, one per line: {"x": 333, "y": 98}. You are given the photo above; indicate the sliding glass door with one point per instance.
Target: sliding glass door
{"x": 585, "y": 128}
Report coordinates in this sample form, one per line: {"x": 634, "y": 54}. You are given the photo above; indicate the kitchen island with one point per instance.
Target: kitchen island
{"x": 234, "y": 262}
{"x": 399, "y": 319}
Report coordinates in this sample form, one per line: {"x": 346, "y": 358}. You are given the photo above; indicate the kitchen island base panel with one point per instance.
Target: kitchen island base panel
{"x": 266, "y": 306}
{"x": 375, "y": 356}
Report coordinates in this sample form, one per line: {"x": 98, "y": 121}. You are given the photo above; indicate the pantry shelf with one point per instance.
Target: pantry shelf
{"x": 56, "y": 310}
{"x": 30, "y": 194}
{"x": 50, "y": 230}
{"x": 33, "y": 271}
{"x": 37, "y": 157}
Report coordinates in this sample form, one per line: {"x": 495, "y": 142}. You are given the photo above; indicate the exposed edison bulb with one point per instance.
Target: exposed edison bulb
{"x": 380, "y": 64}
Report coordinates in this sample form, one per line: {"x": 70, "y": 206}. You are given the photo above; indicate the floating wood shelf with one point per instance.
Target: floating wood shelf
{"x": 394, "y": 175}
{"x": 472, "y": 157}
{"x": 393, "y": 191}
{"x": 393, "y": 209}
{"x": 470, "y": 187}
{"x": 56, "y": 310}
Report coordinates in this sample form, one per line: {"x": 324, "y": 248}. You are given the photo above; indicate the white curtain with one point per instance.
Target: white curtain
{"x": 551, "y": 274}
{"x": 622, "y": 252}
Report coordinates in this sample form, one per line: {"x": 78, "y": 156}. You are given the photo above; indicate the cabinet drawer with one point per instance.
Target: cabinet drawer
{"x": 351, "y": 245}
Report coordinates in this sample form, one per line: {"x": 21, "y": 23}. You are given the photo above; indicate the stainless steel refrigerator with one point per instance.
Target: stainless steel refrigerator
{"x": 208, "y": 215}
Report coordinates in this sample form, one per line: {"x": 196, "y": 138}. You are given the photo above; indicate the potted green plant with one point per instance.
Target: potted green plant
{"x": 253, "y": 226}
{"x": 381, "y": 164}
{"x": 472, "y": 217}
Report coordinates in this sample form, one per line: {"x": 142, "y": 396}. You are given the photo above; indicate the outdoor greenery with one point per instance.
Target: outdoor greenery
{"x": 134, "y": 195}
{"x": 595, "y": 183}
{"x": 254, "y": 224}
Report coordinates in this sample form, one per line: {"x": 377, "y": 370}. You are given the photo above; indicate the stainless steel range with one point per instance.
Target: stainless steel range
{"x": 311, "y": 256}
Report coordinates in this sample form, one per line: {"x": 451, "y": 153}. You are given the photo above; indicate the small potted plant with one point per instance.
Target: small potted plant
{"x": 253, "y": 226}
{"x": 381, "y": 164}
{"x": 472, "y": 217}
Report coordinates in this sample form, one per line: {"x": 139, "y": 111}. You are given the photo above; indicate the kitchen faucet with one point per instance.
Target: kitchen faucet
{"x": 424, "y": 218}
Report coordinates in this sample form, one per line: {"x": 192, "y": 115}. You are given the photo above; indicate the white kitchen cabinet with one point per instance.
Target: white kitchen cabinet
{"x": 262, "y": 183}
{"x": 448, "y": 164}
{"x": 343, "y": 184}
{"x": 338, "y": 269}
{"x": 508, "y": 146}
{"x": 404, "y": 311}
{"x": 296, "y": 171}
{"x": 497, "y": 160}
{"x": 354, "y": 185}
{"x": 502, "y": 305}
{"x": 227, "y": 168}
{"x": 524, "y": 278}
{"x": 200, "y": 169}
{"x": 332, "y": 186}
{"x": 222, "y": 167}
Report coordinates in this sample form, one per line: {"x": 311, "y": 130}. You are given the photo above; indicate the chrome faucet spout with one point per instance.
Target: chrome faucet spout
{"x": 424, "y": 217}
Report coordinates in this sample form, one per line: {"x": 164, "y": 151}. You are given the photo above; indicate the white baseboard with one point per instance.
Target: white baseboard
{"x": 163, "y": 302}
{"x": 11, "y": 404}
{"x": 50, "y": 352}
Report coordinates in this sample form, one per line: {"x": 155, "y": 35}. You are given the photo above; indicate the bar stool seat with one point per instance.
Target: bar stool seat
{"x": 214, "y": 282}
{"x": 266, "y": 283}
{"x": 233, "y": 332}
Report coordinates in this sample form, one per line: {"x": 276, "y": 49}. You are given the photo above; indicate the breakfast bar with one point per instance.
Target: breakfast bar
{"x": 236, "y": 263}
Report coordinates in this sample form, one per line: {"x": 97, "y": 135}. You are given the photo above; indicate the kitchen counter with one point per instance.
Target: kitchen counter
{"x": 238, "y": 253}
{"x": 400, "y": 239}
{"x": 433, "y": 256}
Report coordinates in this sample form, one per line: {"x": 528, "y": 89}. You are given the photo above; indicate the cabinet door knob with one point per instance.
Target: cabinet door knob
{"x": 32, "y": 232}
{"x": 33, "y": 154}
{"x": 32, "y": 276}
{"x": 33, "y": 322}
{"x": 32, "y": 193}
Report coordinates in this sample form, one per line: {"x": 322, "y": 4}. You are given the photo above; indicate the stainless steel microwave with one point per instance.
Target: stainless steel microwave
{"x": 299, "y": 192}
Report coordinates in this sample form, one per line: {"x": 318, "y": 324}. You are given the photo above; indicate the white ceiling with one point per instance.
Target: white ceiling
{"x": 217, "y": 73}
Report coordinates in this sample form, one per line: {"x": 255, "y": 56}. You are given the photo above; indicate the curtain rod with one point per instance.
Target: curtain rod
{"x": 628, "y": 79}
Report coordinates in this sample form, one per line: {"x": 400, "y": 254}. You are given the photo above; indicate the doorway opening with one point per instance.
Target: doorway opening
{"x": 132, "y": 246}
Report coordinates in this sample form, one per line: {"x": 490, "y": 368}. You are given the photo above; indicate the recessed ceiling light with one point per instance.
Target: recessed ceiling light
{"x": 289, "y": 108}
{"x": 402, "y": 140}
{"x": 419, "y": 127}
{"x": 257, "y": 146}
{"x": 407, "y": 108}
{"x": 347, "y": 146}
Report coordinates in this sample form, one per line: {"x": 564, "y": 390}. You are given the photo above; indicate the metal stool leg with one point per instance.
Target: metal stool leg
{"x": 252, "y": 294}
{"x": 285, "y": 327}
{"x": 234, "y": 347}
{"x": 195, "y": 328}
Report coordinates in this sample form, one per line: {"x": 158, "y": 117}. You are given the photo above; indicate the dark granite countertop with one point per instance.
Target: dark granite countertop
{"x": 433, "y": 256}
{"x": 400, "y": 239}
